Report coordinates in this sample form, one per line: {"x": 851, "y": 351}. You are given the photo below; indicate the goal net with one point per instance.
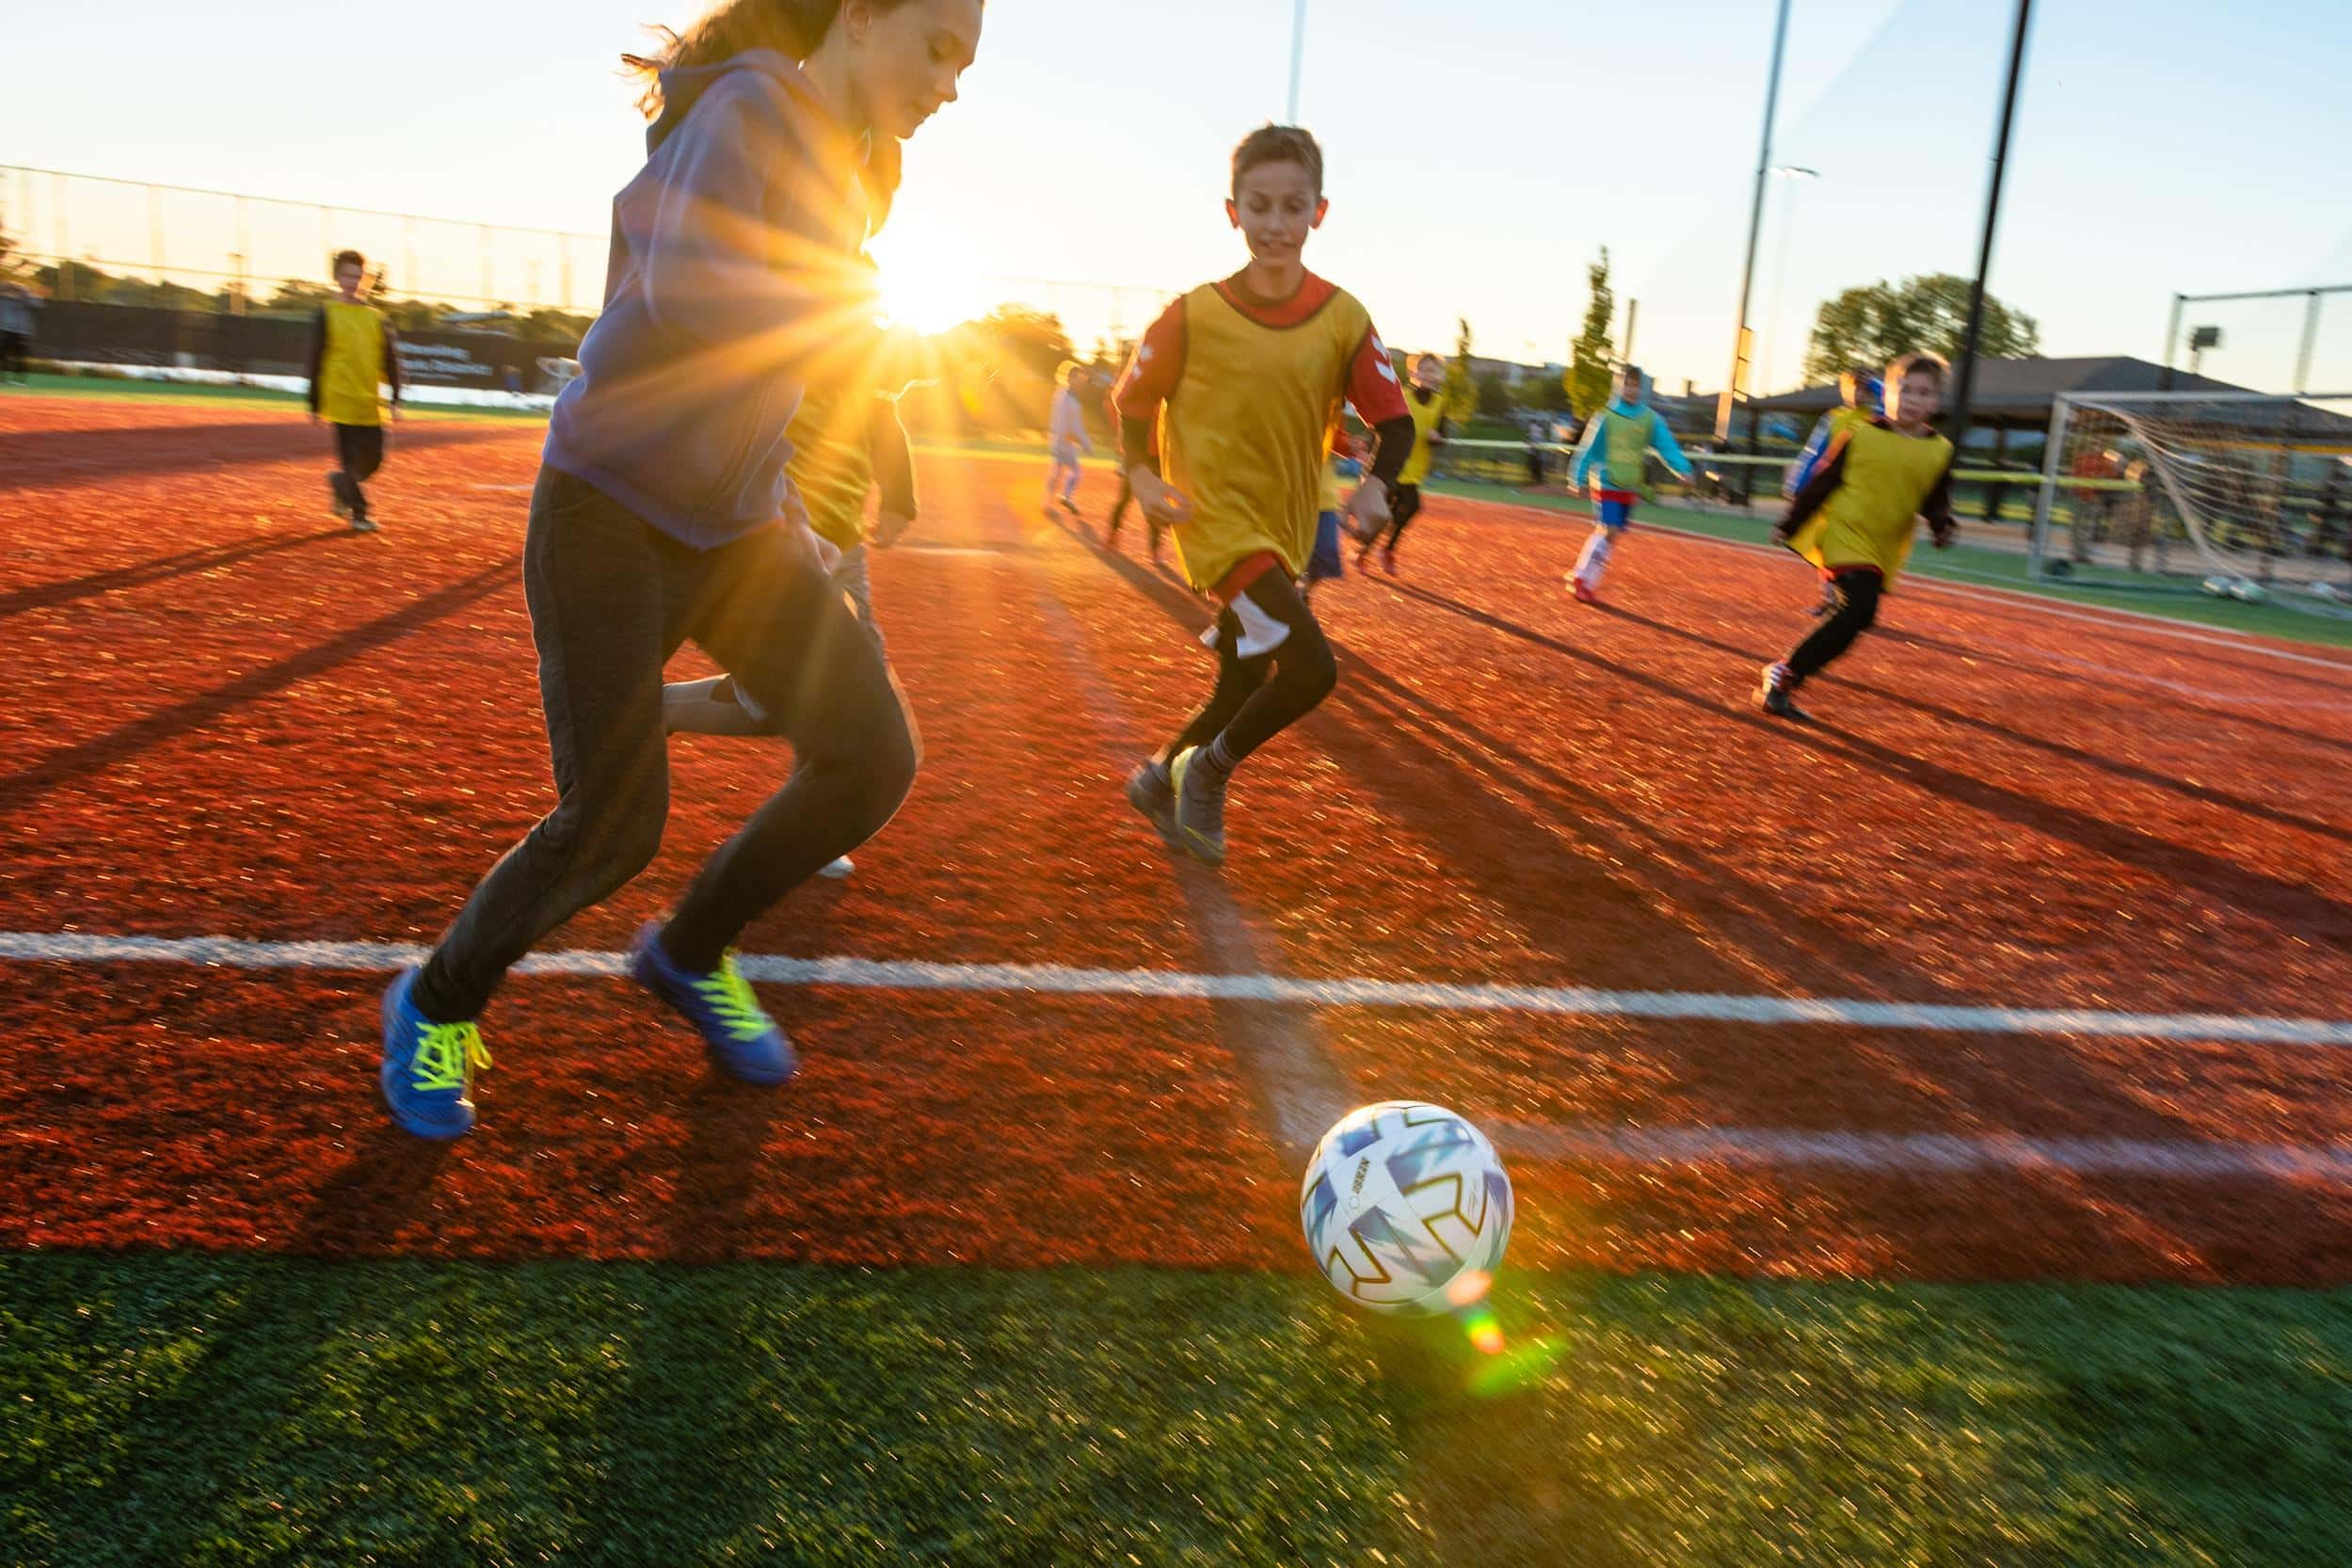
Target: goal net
{"x": 2244, "y": 494}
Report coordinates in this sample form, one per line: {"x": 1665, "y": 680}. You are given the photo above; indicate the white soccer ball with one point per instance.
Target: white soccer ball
{"x": 1405, "y": 1206}
{"x": 2326, "y": 591}
{"x": 2248, "y": 591}
{"x": 2217, "y": 586}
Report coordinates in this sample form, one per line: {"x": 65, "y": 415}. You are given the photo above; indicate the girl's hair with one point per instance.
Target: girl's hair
{"x": 349, "y": 258}
{"x": 793, "y": 28}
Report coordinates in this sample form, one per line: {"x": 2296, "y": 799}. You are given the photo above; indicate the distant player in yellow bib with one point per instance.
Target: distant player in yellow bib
{"x": 1243, "y": 381}
{"x": 1856, "y": 517}
{"x": 353, "y": 355}
{"x": 1426, "y": 403}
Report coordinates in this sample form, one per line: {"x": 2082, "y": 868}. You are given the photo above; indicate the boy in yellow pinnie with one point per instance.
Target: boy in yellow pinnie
{"x": 1856, "y": 517}
{"x": 1242, "y": 382}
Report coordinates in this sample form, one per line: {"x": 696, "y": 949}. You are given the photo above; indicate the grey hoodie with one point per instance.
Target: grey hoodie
{"x": 732, "y": 275}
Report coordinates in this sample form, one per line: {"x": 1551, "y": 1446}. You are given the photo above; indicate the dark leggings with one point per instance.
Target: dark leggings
{"x": 1126, "y": 499}
{"x": 1402, "y": 511}
{"x": 1856, "y": 590}
{"x": 612, "y": 597}
{"x": 359, "y": 450}
{"x": 12, "y": 346}
{"x": 1256, "y": 698}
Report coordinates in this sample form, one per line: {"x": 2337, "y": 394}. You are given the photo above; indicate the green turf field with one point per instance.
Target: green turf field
{"x": 1970, "y": 564}
{"x": 122, "y": 387}
{"x": 192, "y": 1409}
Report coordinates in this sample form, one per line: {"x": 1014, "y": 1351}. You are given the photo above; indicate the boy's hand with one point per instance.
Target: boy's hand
{"x": 1368, "y": 510}
{"x": 1943, "y": 530}
{"x": 890, "y": 528}
{"x": 397, "y": 415}
{"x": 1163, "y": 503}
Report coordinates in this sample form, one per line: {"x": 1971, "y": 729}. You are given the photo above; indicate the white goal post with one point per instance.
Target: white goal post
{"x": 2248, "y": 494}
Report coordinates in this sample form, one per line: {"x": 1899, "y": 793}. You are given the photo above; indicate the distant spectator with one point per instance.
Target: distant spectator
{"x": 18, "y": 305}
{"x": 1538, "y": 433}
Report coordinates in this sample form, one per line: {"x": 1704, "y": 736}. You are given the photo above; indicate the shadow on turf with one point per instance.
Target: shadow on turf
{"x": 2116, "y": 767}
{"x": 719, "y": 1169}
{"x": 1517, "y": 854}
{"x": 2289, "y": 905}
{"x": 49, "y": 459}
{"x": 161, "y": 570}
{"x": 360, "y": 1209}
{"x": 18, "y": 789}
{"x": 2084, "y": 677}
{"x": 1295, "y": 1089}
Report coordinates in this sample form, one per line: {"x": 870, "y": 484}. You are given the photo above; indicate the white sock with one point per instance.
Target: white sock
{"x": 1595, "y": 561}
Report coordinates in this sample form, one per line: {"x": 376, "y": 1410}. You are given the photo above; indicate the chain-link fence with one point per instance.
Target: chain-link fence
{"x": 80, "y": 238}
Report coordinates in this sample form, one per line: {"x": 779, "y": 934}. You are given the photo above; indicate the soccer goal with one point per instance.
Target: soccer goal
{"x": 2242, "y": 494}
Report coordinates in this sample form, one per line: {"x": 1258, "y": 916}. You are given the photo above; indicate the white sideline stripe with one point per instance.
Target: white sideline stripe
{"x": 1924, "y": 1153}
{"x": 1179, "y": 985}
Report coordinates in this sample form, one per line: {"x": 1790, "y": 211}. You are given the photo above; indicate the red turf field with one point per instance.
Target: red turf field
{"x": 229, "y": 717}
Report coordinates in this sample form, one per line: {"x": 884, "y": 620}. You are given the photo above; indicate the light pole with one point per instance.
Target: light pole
{"x": 1792, "y": 173}
{"x": 1734, "y": 383}
{"x": 1974, "y": 332}
{"x": 1298, "y": 56}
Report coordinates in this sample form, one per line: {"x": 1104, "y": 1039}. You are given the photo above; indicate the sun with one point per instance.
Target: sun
{"x": 925, "y": 287}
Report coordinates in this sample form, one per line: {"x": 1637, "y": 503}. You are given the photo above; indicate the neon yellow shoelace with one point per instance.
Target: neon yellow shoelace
{"x": 447, "y": 1056}
{"x": 730, "y": 996}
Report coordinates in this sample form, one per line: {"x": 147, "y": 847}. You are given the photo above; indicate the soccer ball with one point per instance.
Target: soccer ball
{"x": 1401, "y": 1202}
{"x": 2217, "y": 586}
{"x": 2246, "y": 590}
{"x": 2325, "y": 591}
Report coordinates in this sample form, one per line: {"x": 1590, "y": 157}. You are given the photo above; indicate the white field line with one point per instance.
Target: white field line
{"x": 1925, "y": 1153}
{"x": 898, "y": 974}
{"x": 1890, "y": 1154}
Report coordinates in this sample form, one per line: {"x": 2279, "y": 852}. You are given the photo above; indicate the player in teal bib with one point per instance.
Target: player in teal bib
{"x": 1610, "y": 467}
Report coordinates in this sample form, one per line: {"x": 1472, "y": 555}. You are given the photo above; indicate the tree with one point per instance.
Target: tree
{"x": 1591, "y": 356}
{"x": 1032, "y": 339}
{"x": 1875, "y": 323}
{"x": 1461, "y": 393}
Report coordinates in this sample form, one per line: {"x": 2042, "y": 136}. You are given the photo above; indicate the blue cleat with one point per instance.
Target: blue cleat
{"x": 428, "y": 1067}
{"x": 739, "y": 1035}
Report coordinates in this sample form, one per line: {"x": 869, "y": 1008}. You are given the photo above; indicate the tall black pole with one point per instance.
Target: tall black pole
{"x": 1733, "y": 381}
{"x": 1975, "y": 335}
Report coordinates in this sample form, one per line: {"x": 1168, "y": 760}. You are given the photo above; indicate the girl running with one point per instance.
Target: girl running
{"x": 663, "y": 512}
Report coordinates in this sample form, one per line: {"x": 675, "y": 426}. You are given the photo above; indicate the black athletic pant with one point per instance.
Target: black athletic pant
{"x": 1118, "y": 514}
{"x": 359, "y": 450}
{"x": 1403, "y": 510}
{"x": 1258, "y": 697}
{"x": 612, "y": 597}
{"x": 1857, "y": 590}
{"x": 12, "y": 348}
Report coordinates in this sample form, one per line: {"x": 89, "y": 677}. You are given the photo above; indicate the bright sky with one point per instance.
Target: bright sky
{"x": 1477, "y": 159}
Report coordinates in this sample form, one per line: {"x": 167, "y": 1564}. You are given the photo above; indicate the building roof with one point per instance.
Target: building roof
{"x": 2030, "y": 388}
